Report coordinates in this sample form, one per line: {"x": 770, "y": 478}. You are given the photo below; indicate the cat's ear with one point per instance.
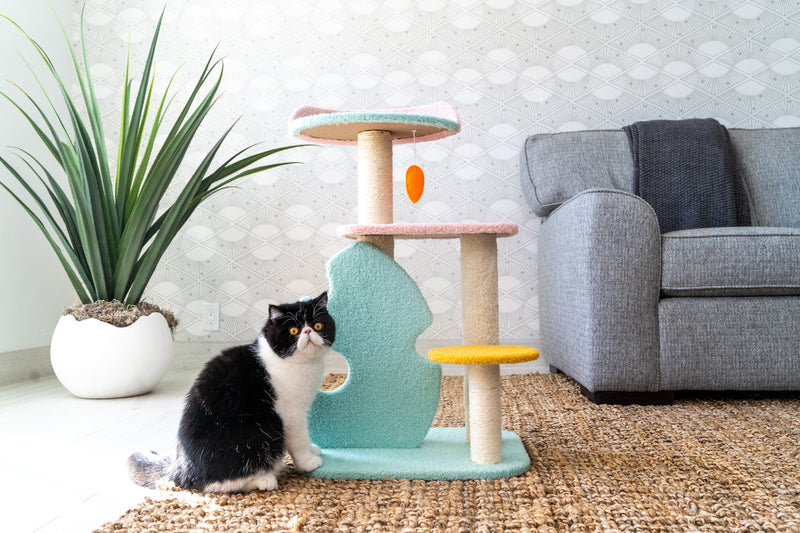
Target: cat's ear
{"x": 275, "y": 312}
{"x": 322, "y": 299}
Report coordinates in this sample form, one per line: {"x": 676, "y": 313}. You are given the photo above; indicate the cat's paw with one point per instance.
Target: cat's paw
{"x": 267, "y": 482}
{"x": 307, "y": 463}
{"x": 315, "y": 450}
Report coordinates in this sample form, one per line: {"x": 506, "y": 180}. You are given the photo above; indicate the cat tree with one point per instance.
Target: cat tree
{"x": 378, "y": 423}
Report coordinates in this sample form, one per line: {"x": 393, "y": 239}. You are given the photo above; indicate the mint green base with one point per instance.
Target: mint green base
{"x": 443, "y": 455}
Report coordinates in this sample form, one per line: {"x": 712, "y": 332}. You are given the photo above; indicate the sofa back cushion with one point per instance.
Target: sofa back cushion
{"x": 770, "y": 163}
{"x": 556, "y": 166}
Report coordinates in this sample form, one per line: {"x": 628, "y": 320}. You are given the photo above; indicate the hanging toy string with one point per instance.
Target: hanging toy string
{"x": 415, "y": 178}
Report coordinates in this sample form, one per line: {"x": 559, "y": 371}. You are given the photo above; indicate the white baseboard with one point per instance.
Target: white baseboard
{"x": 25, "y": 365}
{"x": 34, "y": 363}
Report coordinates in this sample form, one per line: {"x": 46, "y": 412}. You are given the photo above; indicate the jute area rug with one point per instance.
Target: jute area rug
{"x": 718, "y": 463}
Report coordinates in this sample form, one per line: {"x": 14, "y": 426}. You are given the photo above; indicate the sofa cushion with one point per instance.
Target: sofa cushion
{"x": 769, "y": 160}
{"x": 742, "y": 261}
{"x": 554, "y": 167}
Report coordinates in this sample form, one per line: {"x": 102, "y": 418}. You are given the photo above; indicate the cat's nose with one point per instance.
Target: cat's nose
{"x": 307, "y": 331}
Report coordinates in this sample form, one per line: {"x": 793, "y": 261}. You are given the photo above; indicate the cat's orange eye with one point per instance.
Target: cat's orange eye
{"x": 318, "y": 326}
{"x": 294, "y": 331}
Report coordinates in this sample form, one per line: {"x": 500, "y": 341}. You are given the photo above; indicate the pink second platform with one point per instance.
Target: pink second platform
{"x": 445, "y": 230}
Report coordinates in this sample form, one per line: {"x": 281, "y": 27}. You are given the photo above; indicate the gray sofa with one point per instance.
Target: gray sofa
{"x": 633, "y": 314}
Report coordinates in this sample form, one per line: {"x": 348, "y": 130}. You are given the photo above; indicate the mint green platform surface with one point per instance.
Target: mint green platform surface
{"x": 341, "y": 126}
{"x": 443, "y": 455}
{"x": 391, "y": 393}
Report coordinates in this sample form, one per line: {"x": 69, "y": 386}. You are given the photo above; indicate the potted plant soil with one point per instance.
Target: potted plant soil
{"x": 109, "y": 226}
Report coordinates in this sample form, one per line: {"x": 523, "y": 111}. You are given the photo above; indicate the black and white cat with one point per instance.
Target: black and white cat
{"x": 248, "y": 406}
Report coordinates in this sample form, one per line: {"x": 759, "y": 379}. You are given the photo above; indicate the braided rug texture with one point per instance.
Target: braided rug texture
{"x": 714, "y": 463}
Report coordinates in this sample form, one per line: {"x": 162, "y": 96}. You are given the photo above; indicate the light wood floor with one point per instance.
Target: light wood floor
{"x": 62, "y": 459}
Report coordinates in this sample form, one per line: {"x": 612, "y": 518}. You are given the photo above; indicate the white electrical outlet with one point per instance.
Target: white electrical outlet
{"x": 211, "y": 316}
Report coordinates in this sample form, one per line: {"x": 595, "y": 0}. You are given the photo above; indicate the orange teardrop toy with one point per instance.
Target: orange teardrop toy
{"x": 415, "y": 183}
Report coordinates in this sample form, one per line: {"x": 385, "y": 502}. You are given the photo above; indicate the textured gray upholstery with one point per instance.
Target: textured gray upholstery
{"x": 740, "y": 261}
{"x": 729, "y": 343}
{"x": 770, "y": 163}
{"x": 624, "y": 308}
{"x": 599, "y": 274}
{"x": 555, "y": 167}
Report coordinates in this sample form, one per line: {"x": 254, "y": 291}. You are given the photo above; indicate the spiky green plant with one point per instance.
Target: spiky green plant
{"x": 106, "y": 230}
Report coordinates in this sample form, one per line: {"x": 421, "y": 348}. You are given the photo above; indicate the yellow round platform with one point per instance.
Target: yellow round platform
{"x": 483, "y": 354}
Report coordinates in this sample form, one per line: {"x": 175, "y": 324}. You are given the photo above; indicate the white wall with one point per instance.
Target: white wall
{"x": 511, "y": 68}
{"x": 33, "y": 288}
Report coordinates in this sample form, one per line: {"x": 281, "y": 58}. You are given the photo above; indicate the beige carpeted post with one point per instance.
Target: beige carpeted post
{"x": 479, "y": 307}
{"x": 480, "y": 315}
{"x": 375, "y": 185}
{"x": 485, "y": 444}
{"x": 466, "y": 402}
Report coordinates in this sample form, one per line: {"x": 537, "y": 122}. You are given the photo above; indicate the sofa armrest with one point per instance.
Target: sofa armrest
{"x": 599, "y": 285}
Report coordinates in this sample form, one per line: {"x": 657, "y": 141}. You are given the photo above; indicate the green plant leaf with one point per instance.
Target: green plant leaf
{"x": 178, "y": 213}
{"x": 51, "y": 146}
{"x": 156, "y": 183}
{"x": 95, "y": 120}
{"x": 108, "y": 235}
{"x": 130, "y": 137}
{"x": 85, "y": 221}
{"x": 136, "y": 185}
{"x": 72, "y": 269}
{"x": 65, "y": 209}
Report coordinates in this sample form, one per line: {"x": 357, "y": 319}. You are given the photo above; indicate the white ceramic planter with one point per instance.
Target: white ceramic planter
{"x": 93, "y": 359}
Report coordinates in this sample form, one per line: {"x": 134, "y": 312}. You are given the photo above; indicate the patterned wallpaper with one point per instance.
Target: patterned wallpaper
{"x": 511, "y": 68}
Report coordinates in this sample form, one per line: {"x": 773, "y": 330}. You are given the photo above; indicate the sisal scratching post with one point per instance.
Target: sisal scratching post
{"x": 485, "y": 444}
{"x": 479, "y": 311}
{"x": 479, "y": 308}
{"x": 375, "y": 185}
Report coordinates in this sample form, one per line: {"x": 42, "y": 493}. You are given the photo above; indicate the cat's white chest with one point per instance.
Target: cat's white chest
{"x": 296, "y": 383}
{"x": 296, "y": 380}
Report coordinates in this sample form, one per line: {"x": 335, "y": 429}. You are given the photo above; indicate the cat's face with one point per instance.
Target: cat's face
{"x": 303, "y": 327}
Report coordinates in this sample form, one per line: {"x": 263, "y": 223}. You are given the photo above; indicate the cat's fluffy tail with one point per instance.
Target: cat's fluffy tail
{"x": 145, "y": 469}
